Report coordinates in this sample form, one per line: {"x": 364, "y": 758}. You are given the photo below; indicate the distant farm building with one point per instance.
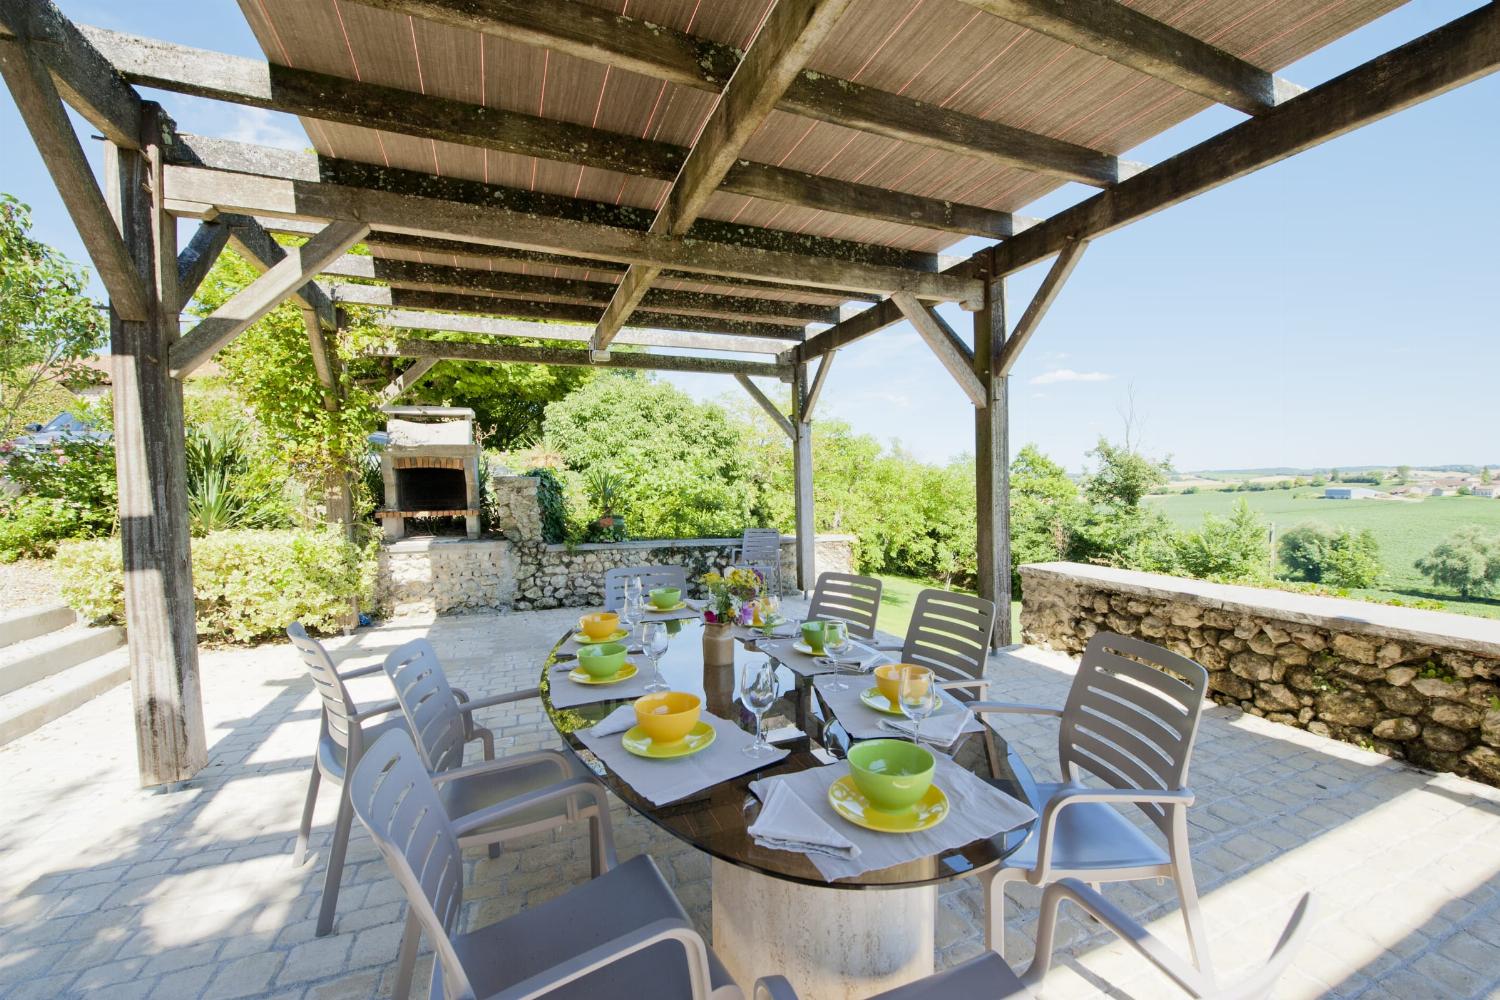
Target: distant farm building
{"x": 1490, "y": 490}
{"x": 1348, "y": 493}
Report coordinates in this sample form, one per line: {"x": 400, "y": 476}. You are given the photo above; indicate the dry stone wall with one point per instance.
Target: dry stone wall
{"x": 1422, "y": 686}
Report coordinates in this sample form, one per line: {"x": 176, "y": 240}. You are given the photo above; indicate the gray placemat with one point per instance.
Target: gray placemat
{"x": 782, "y": 651}
{"x": 977, "y": 811}
{"x": 860, "y": 720}
{"x": 681, "y": 614}
{"x": 663, "y": 781}
{"x": 568, "y": 694}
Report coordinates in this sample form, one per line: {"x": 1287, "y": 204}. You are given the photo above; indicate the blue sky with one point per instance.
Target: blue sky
{"x": 1339, "y": 308}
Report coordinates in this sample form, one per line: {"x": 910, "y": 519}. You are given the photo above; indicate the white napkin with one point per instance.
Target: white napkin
{"x": 941, "y": 730}
{"x": 786, "y": 823}
{"x": 617, "y": 721}
{"x": 864, "y": 663}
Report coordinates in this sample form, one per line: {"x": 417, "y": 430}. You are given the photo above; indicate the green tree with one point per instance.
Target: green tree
{"x": 1467, "y": 561}
{"x": 509, "y": 400}
{"x": 1304, "y": 550}
{"x": 1118, "y": 529}
{"x": 1233, "y": 549}
{"x": 1485, "y": 477}
{"x": 1337, "y": 556}
{"x": 1045, "y": 508}
{"x": 1124, "y": 476}
{"x": 1403, "y": 472}
{"x": 48, "y": 325}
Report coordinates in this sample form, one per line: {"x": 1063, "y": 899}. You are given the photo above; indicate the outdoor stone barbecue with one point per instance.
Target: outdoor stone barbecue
{"x": 1418, "y": 685}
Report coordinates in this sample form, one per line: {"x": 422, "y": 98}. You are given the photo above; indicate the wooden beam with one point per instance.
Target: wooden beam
{"x": 802, "y": 482}
{"x": 324, "y": 361}
{"x": 194, "y": 263}
{"x": 535, "y": 288}
{"x": 1462, "y": 50}
{"x": 84, "y": 78}
{"x": 816, "y": 389}
{"x": 856, "y": 327}
{"x": 992, "y": 461}
{"x": 765, "y": 403}
{"x": 654, "y": 50}
{"x": 251, "y": 82}
{"x": 951, "y": 352}
{"x": 401, "y": 298}
{"x": 41, "y": 109}
{"x": 1045, "y": 295}
{"x": 450, "y": 350}
{"x": 1110, "y": 29}
{"x": 265, "y": 293}
{"x": 787, "y": 38}
{"x": 251, "y": 241}
{"x": 407, "y": 379}
{"x": 425, "y": 216}
{"x": 494, "y": 326}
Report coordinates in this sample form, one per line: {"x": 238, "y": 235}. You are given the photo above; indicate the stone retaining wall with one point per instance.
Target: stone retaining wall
{"x": 446, "y": 575}
{"x": 1418, "y": 685}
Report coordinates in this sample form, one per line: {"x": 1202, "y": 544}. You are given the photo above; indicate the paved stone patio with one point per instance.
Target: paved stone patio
{"x": 110, "y": 891}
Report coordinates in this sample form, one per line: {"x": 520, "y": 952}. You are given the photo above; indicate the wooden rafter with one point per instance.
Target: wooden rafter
{"x": 497, "y": 326}
{"x": 449, "y": 350}
{"x": 1045, "y": 295}
{"x": 201, "y": 73}
{"x": 654, "y": 50}
{"x": 787, "y": 38}
{"x": 1110, "y": 29}
{"x": 815, "y": 390}
{"x": 198, "y": 257}
{"x": 407, "y": 379}
{"x": 951, "y": 352}
{"x": 83, "y": 77}
{"x": 265, "y": 293}
{"x": 765, "y": 403}
{"x": 252, "y": 242}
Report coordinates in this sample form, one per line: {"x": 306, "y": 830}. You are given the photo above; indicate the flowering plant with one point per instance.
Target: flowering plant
{"x": 731, "y": 594}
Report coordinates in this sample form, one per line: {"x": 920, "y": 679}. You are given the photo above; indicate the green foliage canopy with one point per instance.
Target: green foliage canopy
{"x": 1338, "y": 556}
{"x": 1468, "y": 561}
{"x": 1233, "y": 549}
{"x": 509, "y": 400}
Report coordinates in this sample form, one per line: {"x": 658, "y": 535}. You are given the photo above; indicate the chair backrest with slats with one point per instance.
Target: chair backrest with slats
{"x": 951, "y": 634}
{"x": 1131, "y": 717}
{"x": 338, "y": 708}
{"x": 393, "y": 797}
{"x": 651, "y": 578}
{"x": 854, "y": 599}
{"x": 760, "y": 548}
{"x": 431, "y": 708}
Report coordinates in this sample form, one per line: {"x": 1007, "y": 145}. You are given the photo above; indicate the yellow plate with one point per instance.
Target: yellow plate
{"x": 803, "y": 647}
{"x": 876, "y": 699}
{"x": 615, "y": 636}
{"x": 653, "y": 609}
{"x": 847, "y": 800}
{"x": 580, "y": 676}
{"x": 638, "y": 743}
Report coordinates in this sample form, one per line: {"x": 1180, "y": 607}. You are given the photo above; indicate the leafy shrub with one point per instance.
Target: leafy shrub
{"x": 1233, "y": 549}
{"x": 223, "y": 489}
{"x": 1340, "y": 557}
{"x": 77, "y": 474}
{"x": 248, "y": 585}
{"x": 1468, "y": 561}
{"x": 31, "y": 527}
{"x": 553, "y": 505}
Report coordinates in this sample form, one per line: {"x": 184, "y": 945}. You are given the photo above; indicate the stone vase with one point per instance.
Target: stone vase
{"x": 718, "y": 645}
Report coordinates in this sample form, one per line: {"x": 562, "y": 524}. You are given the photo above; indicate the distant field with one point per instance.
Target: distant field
{"x": 1406, "y": 529}
{"x": 899, "y": 593}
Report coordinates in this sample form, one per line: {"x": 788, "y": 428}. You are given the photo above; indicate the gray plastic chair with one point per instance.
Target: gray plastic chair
{"x": 849, "y": 598}
{"x": 1129, "y": 724}
{"x": 651, "y": 578}
{"x": 622, "y": 935}
{"x": 345, "y": 731}
{"x": 988, "y": 976}
{"x": 760, "y": 548}
{"x": 950, "y": 633}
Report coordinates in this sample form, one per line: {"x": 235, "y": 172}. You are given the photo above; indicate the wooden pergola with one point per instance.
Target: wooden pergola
{"x": 769, "y": 180}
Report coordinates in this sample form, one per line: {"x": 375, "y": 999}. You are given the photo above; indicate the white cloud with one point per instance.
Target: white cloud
{"x": 1069, "y": 375}
{"x": 259, "y": 126}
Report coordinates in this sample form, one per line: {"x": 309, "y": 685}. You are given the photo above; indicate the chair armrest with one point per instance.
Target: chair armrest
{"x": 472, "y": 823}
{"x": 384, "y": 708}
{"x": 1115, "y": 796}
{"x": 374, "y": 668}
{"x": 1111, "y": 916}
{"x": 605, "y": 954}
{"x": 1012, "y": 708}
{"x": 469, "y": 705}
{"x": 980, "y": 684}
{"x": 506, "y": 763}
{"x": 773, "y": 988}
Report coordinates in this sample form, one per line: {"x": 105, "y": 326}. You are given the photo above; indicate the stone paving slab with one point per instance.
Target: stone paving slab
{"x": 106, "y": 890}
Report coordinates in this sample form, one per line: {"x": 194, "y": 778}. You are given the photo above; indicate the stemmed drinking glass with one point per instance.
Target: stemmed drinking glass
{"x": 654, "y": 639}
{"x": 918, "y": 697}
{"x": 758, "y": 693}
{"x": 836, "y": 643}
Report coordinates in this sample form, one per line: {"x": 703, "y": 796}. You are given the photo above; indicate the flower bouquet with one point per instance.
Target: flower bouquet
{"x": 731, "y": 595}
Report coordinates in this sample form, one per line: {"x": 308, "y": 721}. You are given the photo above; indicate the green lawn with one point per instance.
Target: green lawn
{"x": 1406, "y": 530}
{"x": 898, "y": 595}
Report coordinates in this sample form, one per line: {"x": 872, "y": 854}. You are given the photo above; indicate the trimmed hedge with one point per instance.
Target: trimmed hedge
{"x": 248, "y": 585}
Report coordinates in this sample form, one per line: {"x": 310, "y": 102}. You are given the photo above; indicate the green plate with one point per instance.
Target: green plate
{"x": 803, "y": 647}
{"x": 638, "y": 743}
{"x": 615, "y": 636}
{"x": 850, "y": 803}
{"x": 580, "y": 676}
{"x": 873, "y": 698}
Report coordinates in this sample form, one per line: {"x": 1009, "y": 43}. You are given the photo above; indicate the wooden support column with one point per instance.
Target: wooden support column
{"x": 159, "y": 610}
{"x": 802, "y": 481}
{"x": 992, "y": 459}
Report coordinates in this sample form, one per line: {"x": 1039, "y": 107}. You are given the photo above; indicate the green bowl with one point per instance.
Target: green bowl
{"x": 666, "y": 597}
{"x": 602, "y": 660}
{"x": 812, "y": 634}
{"x": 892, "y": 774}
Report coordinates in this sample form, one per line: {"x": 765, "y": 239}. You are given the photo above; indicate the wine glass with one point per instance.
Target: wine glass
{"x": 836, "y": 644}
{"x": 654, "y": 639}
{"x": 918, "y": 698}
{"x": 758, "y": 693}
{"x": 629, "y": 613}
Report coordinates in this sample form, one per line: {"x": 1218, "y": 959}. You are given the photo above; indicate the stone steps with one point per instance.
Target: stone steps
{"x": 50, "y": 665}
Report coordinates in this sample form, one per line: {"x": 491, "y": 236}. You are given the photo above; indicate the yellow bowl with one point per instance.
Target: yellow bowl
{"x": 888, "y": 679}
{"x": 600, "y": 625}
{"x": 668, "y": 716}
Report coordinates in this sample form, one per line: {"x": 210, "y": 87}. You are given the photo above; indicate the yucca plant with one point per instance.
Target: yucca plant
{"x": 220, "y": 488}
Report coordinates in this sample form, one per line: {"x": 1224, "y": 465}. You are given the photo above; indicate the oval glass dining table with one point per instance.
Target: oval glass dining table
{"x": 772, "y": 911}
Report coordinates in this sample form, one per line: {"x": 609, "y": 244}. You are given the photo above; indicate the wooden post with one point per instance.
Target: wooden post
{"x": 992, "y": 459}
{"x": 159, "y": 611}
{"x": 802, "y": 481}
